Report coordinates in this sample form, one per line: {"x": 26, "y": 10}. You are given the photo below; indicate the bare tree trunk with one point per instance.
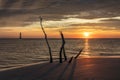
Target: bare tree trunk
{"x": 62, "y": 49}
{"x": 51, "y": 60}
{"x": 65, "y": 57}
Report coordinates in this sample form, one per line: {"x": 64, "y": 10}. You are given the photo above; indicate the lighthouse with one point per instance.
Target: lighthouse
{"x": 20, "y": 35}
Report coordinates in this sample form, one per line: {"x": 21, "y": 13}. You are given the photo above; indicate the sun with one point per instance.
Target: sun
{"x": 86, "y": 34}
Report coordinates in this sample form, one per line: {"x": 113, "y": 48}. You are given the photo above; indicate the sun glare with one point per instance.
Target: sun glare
{"x": 86, "y": 34}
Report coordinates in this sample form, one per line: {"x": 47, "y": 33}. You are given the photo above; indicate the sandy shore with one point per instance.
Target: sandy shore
{"x": 78, "y": 69}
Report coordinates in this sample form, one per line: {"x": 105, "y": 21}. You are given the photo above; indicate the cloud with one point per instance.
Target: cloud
{"x": 17, "y": 13}
{"x": 111, "y": 20}
{"x": 104, "y": 26}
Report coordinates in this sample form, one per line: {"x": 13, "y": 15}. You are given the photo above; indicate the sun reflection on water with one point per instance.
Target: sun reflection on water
{"x": 86, "y": 48}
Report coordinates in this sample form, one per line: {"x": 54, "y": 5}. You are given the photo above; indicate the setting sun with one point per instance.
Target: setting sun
{"x": 86, "y": 34}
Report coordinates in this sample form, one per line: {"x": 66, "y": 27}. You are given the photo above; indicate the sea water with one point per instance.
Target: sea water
{"x": 16, "y": 52}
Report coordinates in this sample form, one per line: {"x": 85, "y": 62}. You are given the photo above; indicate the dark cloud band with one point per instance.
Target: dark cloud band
{"x": 21, "y": 12}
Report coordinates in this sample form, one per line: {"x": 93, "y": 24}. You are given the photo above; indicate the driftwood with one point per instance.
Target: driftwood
{"x": 62, "y": 49}
{"x": 75, "y": 56}
{"x": 78, "y": 53}
{"x": 70, "y": 59}
{"x": 51, "y": 60}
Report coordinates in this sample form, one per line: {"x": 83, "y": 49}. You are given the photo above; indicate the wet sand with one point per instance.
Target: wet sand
{"x": 78, "y": 69}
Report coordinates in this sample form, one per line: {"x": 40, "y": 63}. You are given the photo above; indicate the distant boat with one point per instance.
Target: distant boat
{"x": 20, "y": 36}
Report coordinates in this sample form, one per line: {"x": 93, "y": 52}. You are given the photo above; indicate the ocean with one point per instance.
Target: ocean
{"x": 16, "y": 52}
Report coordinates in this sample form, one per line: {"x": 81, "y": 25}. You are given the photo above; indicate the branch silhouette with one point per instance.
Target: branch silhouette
{"x": 51, "y": 60}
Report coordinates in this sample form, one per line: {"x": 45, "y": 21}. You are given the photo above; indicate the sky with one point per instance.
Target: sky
{"x": 99, "y": 18}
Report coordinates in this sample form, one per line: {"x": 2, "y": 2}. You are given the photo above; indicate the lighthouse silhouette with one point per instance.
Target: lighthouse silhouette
{"x": 20, "y": 35}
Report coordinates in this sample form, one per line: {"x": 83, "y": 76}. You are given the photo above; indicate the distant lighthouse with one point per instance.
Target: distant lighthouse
{"x": 20, "y": 35}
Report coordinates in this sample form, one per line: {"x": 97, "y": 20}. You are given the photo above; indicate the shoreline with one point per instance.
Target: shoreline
{"x": 36, "y": 63}
{"x": 22, "y": 65}
{"x": 78, "y": 69}
{"x": 82, "y": 56}
{"x": 32, "y": 64}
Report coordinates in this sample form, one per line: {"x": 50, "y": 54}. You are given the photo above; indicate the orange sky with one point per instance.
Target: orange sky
{"x": 54, "y": 33}
{"x": 52, "y": 29}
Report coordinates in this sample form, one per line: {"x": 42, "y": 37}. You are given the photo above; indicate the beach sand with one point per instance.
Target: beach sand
{"x": 78, "y": 69}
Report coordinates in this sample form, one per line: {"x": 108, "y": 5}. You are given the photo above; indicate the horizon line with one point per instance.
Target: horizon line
{"x": 60, "y": 38}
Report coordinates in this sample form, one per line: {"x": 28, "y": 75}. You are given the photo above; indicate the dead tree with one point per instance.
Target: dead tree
{"x": 79, "y": 53}
{"x": 51, "y": 60}
{"x": 62, "y": 49}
